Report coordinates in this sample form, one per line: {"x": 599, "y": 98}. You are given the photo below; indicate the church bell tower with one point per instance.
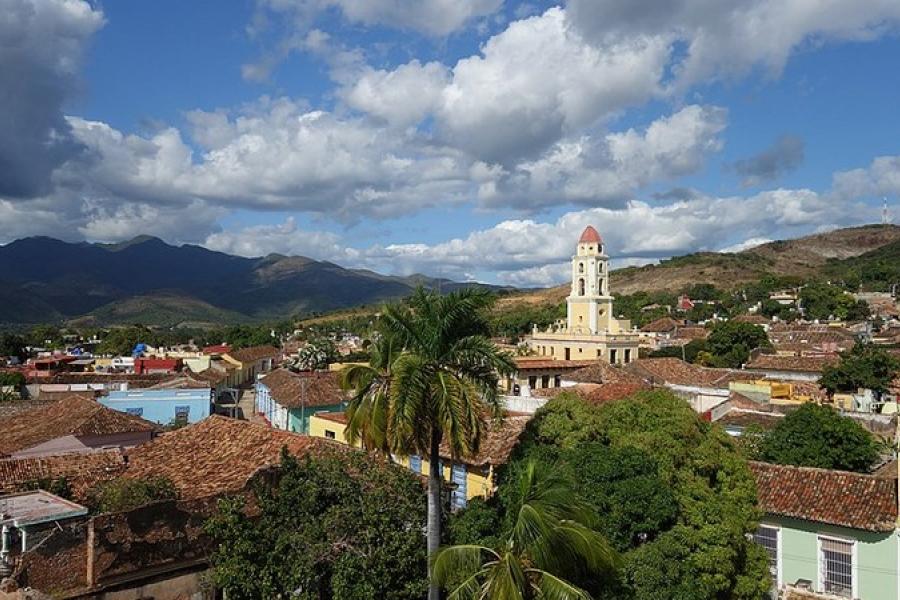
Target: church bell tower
{"x": 589, "y": 303}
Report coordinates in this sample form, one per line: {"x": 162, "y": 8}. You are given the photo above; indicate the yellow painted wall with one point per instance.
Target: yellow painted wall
{"x": 478, "y": 480}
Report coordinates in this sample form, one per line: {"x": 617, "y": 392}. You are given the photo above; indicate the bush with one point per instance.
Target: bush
{"x": 817, "y": 436}
{"x": 124, "y": 494}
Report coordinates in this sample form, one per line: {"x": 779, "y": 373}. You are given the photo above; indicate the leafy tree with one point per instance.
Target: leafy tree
{"x": 336, "y": 526}
{"x": 12, "y": 378}
{"x": 551, "y": 540}
{"x": 863, "y": 366}
{"x": 316, "y": 354}
{"x": 125, "y": 494}
{"x": 823, "y": 301}
{"x": 817, "y": 436}
{"x": 672, "y": 493}
{"x": 731, "y": 342}
{"x": 12, "y": 344}
{"x": 440, "y": 385}
{"x": 122, "y": 340}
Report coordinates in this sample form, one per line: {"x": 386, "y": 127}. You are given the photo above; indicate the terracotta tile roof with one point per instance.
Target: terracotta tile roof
{"x": 211, "y": 376}
{"x": 499, "y": 441}
{"x": 661, "y": 325}
{"x": 217, "y": 455}
{"x": 691, "y": 333}
{"x": 678, "y": 372}
{"x": 11, "y": 408}
{"x": 826, "y": 496}
{"x": 745, "y": 418}
{"x": 82, "y": 470}
{"x": 887, "y": 471}
{"x": 524, "y": 363}
{"x": 253, "y": 353}
{"x": 808, "y": 364}
{"x": 181, "y": 381}
{"x": 752, "y": 319}
{"x": 334, "y": 417}
{"x": 292, "y": 390}
{"x": 595, "y": 393}
{"x": 602, "y": 372}
{"x": 77, "y": 415}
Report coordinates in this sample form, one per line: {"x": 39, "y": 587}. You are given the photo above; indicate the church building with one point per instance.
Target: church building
{"x": 590, "y": 330}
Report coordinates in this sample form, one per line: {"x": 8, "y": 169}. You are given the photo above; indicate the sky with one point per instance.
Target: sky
{"x": 472, "y": 139}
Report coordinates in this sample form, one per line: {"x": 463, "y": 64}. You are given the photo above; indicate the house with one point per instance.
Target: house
{"x": 162, "y": 406}
{"x": 157, "y": 365}
{"x": 829, "y": 532}
{"x": 470, "y": 477}
{"x": 591, "y": 329}
{"x": 654, "y": 333}
{"x": 160, "y": 550}
{"x": 27, "y": 519}
{"x": 287, "y": 399}
{"x": 80, "y": 471}
{"x": 802, "y": 368}
{"x": 252, "y": 361}
{"x": 703, "y": 387}
{"x": 216, "y": 456}
{"x": 76, "y": 423}
{"x": 533, "y": 373}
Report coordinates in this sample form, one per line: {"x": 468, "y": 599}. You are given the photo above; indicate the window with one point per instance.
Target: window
{"x": 136, "y": 412}
{"x": 767, "y": 537}
{"x": 627, "y": 356}
{"x": 836, "y": 566}
{"x": 532, "y": 381}
{"x": 557, "y": 380}
{"x": 458, "y": 478}
{"x": 612, "y": 356}
{"x": 568, "y": 354}
{"x": 415, "y": 463}
{"x": 581, "y": 287}
{"x": 581, "y": 267}
{"x": 182, "y": 412}
{"x": 329, "y": 434}
{"x": 545, "y": 381}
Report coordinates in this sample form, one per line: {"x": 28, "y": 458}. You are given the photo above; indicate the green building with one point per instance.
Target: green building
{"x": 832, "y": 533}
{"x": 287, "y": 399}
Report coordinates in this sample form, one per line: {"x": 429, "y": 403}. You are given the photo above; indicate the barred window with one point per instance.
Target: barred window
{"x": 836, "y": 566}
{"x": 767, "y": 537}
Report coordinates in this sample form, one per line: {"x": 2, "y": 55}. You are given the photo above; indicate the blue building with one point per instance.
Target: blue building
{"x": 162, "y": 406}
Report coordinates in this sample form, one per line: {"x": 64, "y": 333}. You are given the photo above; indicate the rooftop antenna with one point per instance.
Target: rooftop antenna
{"x": 885, "y": 215}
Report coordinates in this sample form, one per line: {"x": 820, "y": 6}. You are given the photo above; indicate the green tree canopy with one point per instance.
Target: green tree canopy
{"x": 125, "y": 494}
{"x": 338, "y": 526}
{"x": 671, "y": 492}
{"x": 12, "y": 344}
{"x": 863, "y": 366}
{"x": 817, "y": 436}
{"x": 731, "y": 342}
{"x": 550, "y": 541}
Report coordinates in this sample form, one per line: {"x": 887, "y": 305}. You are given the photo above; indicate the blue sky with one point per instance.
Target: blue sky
{"x": 471, "y": 139}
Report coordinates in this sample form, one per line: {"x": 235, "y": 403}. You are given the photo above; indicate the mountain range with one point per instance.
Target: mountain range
{"x": 149, "y": 281}
{"x": 146, "y": 280}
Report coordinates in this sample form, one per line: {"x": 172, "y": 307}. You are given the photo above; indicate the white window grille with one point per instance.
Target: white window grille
{"x": 767, "y": 537}
{"x": 836, "y": 566}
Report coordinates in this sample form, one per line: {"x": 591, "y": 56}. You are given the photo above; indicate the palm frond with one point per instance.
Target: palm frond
{"x": 550, "y": 587}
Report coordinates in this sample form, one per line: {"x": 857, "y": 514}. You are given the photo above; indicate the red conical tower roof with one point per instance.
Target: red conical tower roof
{"x": 590, "y": 236}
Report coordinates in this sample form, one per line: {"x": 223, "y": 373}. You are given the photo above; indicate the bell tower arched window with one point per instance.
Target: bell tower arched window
{"x": 581, "y": 267}
{"x": 581, "y": 287}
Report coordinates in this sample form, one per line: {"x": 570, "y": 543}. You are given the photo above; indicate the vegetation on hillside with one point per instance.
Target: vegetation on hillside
{"x": 671, "y": 493}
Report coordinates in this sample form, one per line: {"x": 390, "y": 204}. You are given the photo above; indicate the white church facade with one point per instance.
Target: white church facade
{"x": 590, "y": 331}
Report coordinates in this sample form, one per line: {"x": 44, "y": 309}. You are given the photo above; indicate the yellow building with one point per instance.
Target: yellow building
{"x": 590, "y": 331}
{"x": 471, "y": 477}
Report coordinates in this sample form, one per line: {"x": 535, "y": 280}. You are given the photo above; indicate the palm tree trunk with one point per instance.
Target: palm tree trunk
{"x": 434, "y": 509}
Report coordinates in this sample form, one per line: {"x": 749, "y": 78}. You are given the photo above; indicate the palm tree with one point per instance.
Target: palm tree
{"x": 551, "y": 537}
{"x": 434, "y": 378}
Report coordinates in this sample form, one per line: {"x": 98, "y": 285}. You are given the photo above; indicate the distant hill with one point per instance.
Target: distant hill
{"x": 834, "y": 254}
{"x": 146, "y": 280}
